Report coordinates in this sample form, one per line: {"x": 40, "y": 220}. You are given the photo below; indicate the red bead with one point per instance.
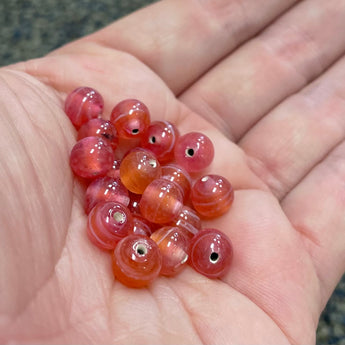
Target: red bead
{"x": 160, "y": 138}
{"x": 141, "y": 226}
{"x": 114, "y": 171}
{"x": 105, "y": 189}
{"x": 138, "y": 168}
{"x": 161, "y": 201}
{"x": 83, "y": 104}
{"x": 194, "y": 151}
{"x": 174, "y": 246}
{"x": 137, "y": 261}
{"x": 131, "y": 118}
{"x": 108, "y": 223}
{"x": 99, "y": 128}
{"x": 212, "y": 196}
{"x": 134, "y": 200}
{"x": 177, "y": 174}
{"x": 211, "y": 253}
{"x": 91, "y": 157}
{"x": 188, "y": 220}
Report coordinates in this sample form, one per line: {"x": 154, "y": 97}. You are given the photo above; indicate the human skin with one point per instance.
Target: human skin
{"x": 265, "y": 81}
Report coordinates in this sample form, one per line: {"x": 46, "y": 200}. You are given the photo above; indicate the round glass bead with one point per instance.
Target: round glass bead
{"x": 180, "y": 176}
{"x": 83, "y": 104}
{"x": 131, "y": 118}
{"x": 140, "y": 226}
{"x": 194, "y": 151}
{"x": 212, "y": 195}
{"x": 114, "y": 171}
{"x": 91, "y": 157}
{"x": 174, "y": 246}
{"x": 99, "y": 128}
{"x": 161, "y": 201}
{"x": 105, "y": 189}
{"x": 160, "y": 138}
{"x": 134, "y": 200}
{"x": 137, "y": 261}
{"x": 138, "y": 168}
{"x": 188, "y": 220}
{"x": 108, "y": 223}
{"x": 211, "y": 253}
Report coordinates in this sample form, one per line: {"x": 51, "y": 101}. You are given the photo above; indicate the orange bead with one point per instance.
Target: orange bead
{"x": 138, "y": 169}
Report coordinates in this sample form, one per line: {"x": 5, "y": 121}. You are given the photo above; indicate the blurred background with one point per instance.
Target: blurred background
{"x": 32, "y": 28}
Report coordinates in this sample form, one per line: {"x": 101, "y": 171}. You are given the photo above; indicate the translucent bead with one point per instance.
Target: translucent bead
{"x": 137, "y": 261}
{"x": 174, "y": 246}
{"x": 188, "y": 220}
{"x": 140, "y": 226}
{"x": 91, "y": 157}
{"x": 211, "y": 253}
{"x": 83, "y": 104}
{"x": 177, "y": 174}
{"x": 131, "y": 118}
{"x": 134, "y": 200}
{"x": 161, "y": 201}
{"x": 212, "y": 195}
{"x": 160, "y": 138}
{"x": 108, "y": 223}
{"x": 114, "y": 171}
{"x": 99, "y": 128}
{"x": 138, "y": 168}
{"x": 105, "y": 189}
{"x": 194, "y": 151}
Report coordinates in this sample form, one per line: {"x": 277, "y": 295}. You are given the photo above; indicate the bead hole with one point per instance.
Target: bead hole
{"x": 214, "y": 257}
{"x": 189, "y": 152}
{"x": 135, "y": 131}
{"x": 119, "y": 217}
{"x": 141, "y": 249}
{"x": 152, "y": 140}
{"x": 153, "y": 163}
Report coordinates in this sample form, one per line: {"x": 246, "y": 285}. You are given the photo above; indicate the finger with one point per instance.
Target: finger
{"x": 180, "y": 40}
{"x": 280, "y": 61}
{"x": 316, "y": 208}
{"x": 285, "y": 145}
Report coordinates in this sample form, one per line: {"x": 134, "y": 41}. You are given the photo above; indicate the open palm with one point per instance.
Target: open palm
{"x": 265, "y": 81}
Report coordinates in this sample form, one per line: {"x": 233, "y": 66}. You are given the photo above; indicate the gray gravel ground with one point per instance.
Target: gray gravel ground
{"x": 32, "y": 28}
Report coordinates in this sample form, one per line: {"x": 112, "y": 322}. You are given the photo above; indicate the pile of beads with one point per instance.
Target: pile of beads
{"x": 141, "y": 202}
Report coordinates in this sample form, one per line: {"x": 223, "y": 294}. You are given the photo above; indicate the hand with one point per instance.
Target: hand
{"x": 262, "y": 80}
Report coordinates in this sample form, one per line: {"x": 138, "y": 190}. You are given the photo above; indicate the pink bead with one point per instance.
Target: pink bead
{"x": 211, "y": 253}
{"x": 194, "y": 151}
{"x": 91, "y": 157}
{"x": 188, "y": 220}
{"x": 131, "y": 118}
{"x": 108, "y": 223}
{"x": 134, "y": 200}
{"x": 83, "y": 104}
{"x": 137, "y": 261}
{"x": 99, "y": 128}
{"x": 177, "y": 174}
{"x": 161, "y": 201}
{"x": 105, "y": 189}
{"x": 212, "y": 195}
{"x": 138, "y": 168}
{"x": 114, "y": 171}
{"x": 160, "y": 138}
{"x": 174, "y": 246}
{"x": 140, "y": 226}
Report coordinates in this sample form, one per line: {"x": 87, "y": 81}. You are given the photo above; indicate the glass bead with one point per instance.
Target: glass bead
{"x": 138, "y": 168}
{"x": 160, "y": 138}
{"x": 180, "y": 176}
{"x": 114, "y": 171}
{"x": 174, "y": 246}
{"x": 108, "y": 223}
{"x": 141, "y": 226}
{"x": 194, "y": 151}
{"x": 137, "y": 261}
{"x": 105, "y": 189}
{"x": 161, "y": 201}
{"x": 188, "y": 220}
{"x": 211, "y": 253}
{"x": 212, "y": 195}
{"x": 134, "y": 200}
{"x": 83, "y": 104}
{"x": 99, "y": 128}
{"x": 131, "y": 118}
{"x": 91, "y": 157}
